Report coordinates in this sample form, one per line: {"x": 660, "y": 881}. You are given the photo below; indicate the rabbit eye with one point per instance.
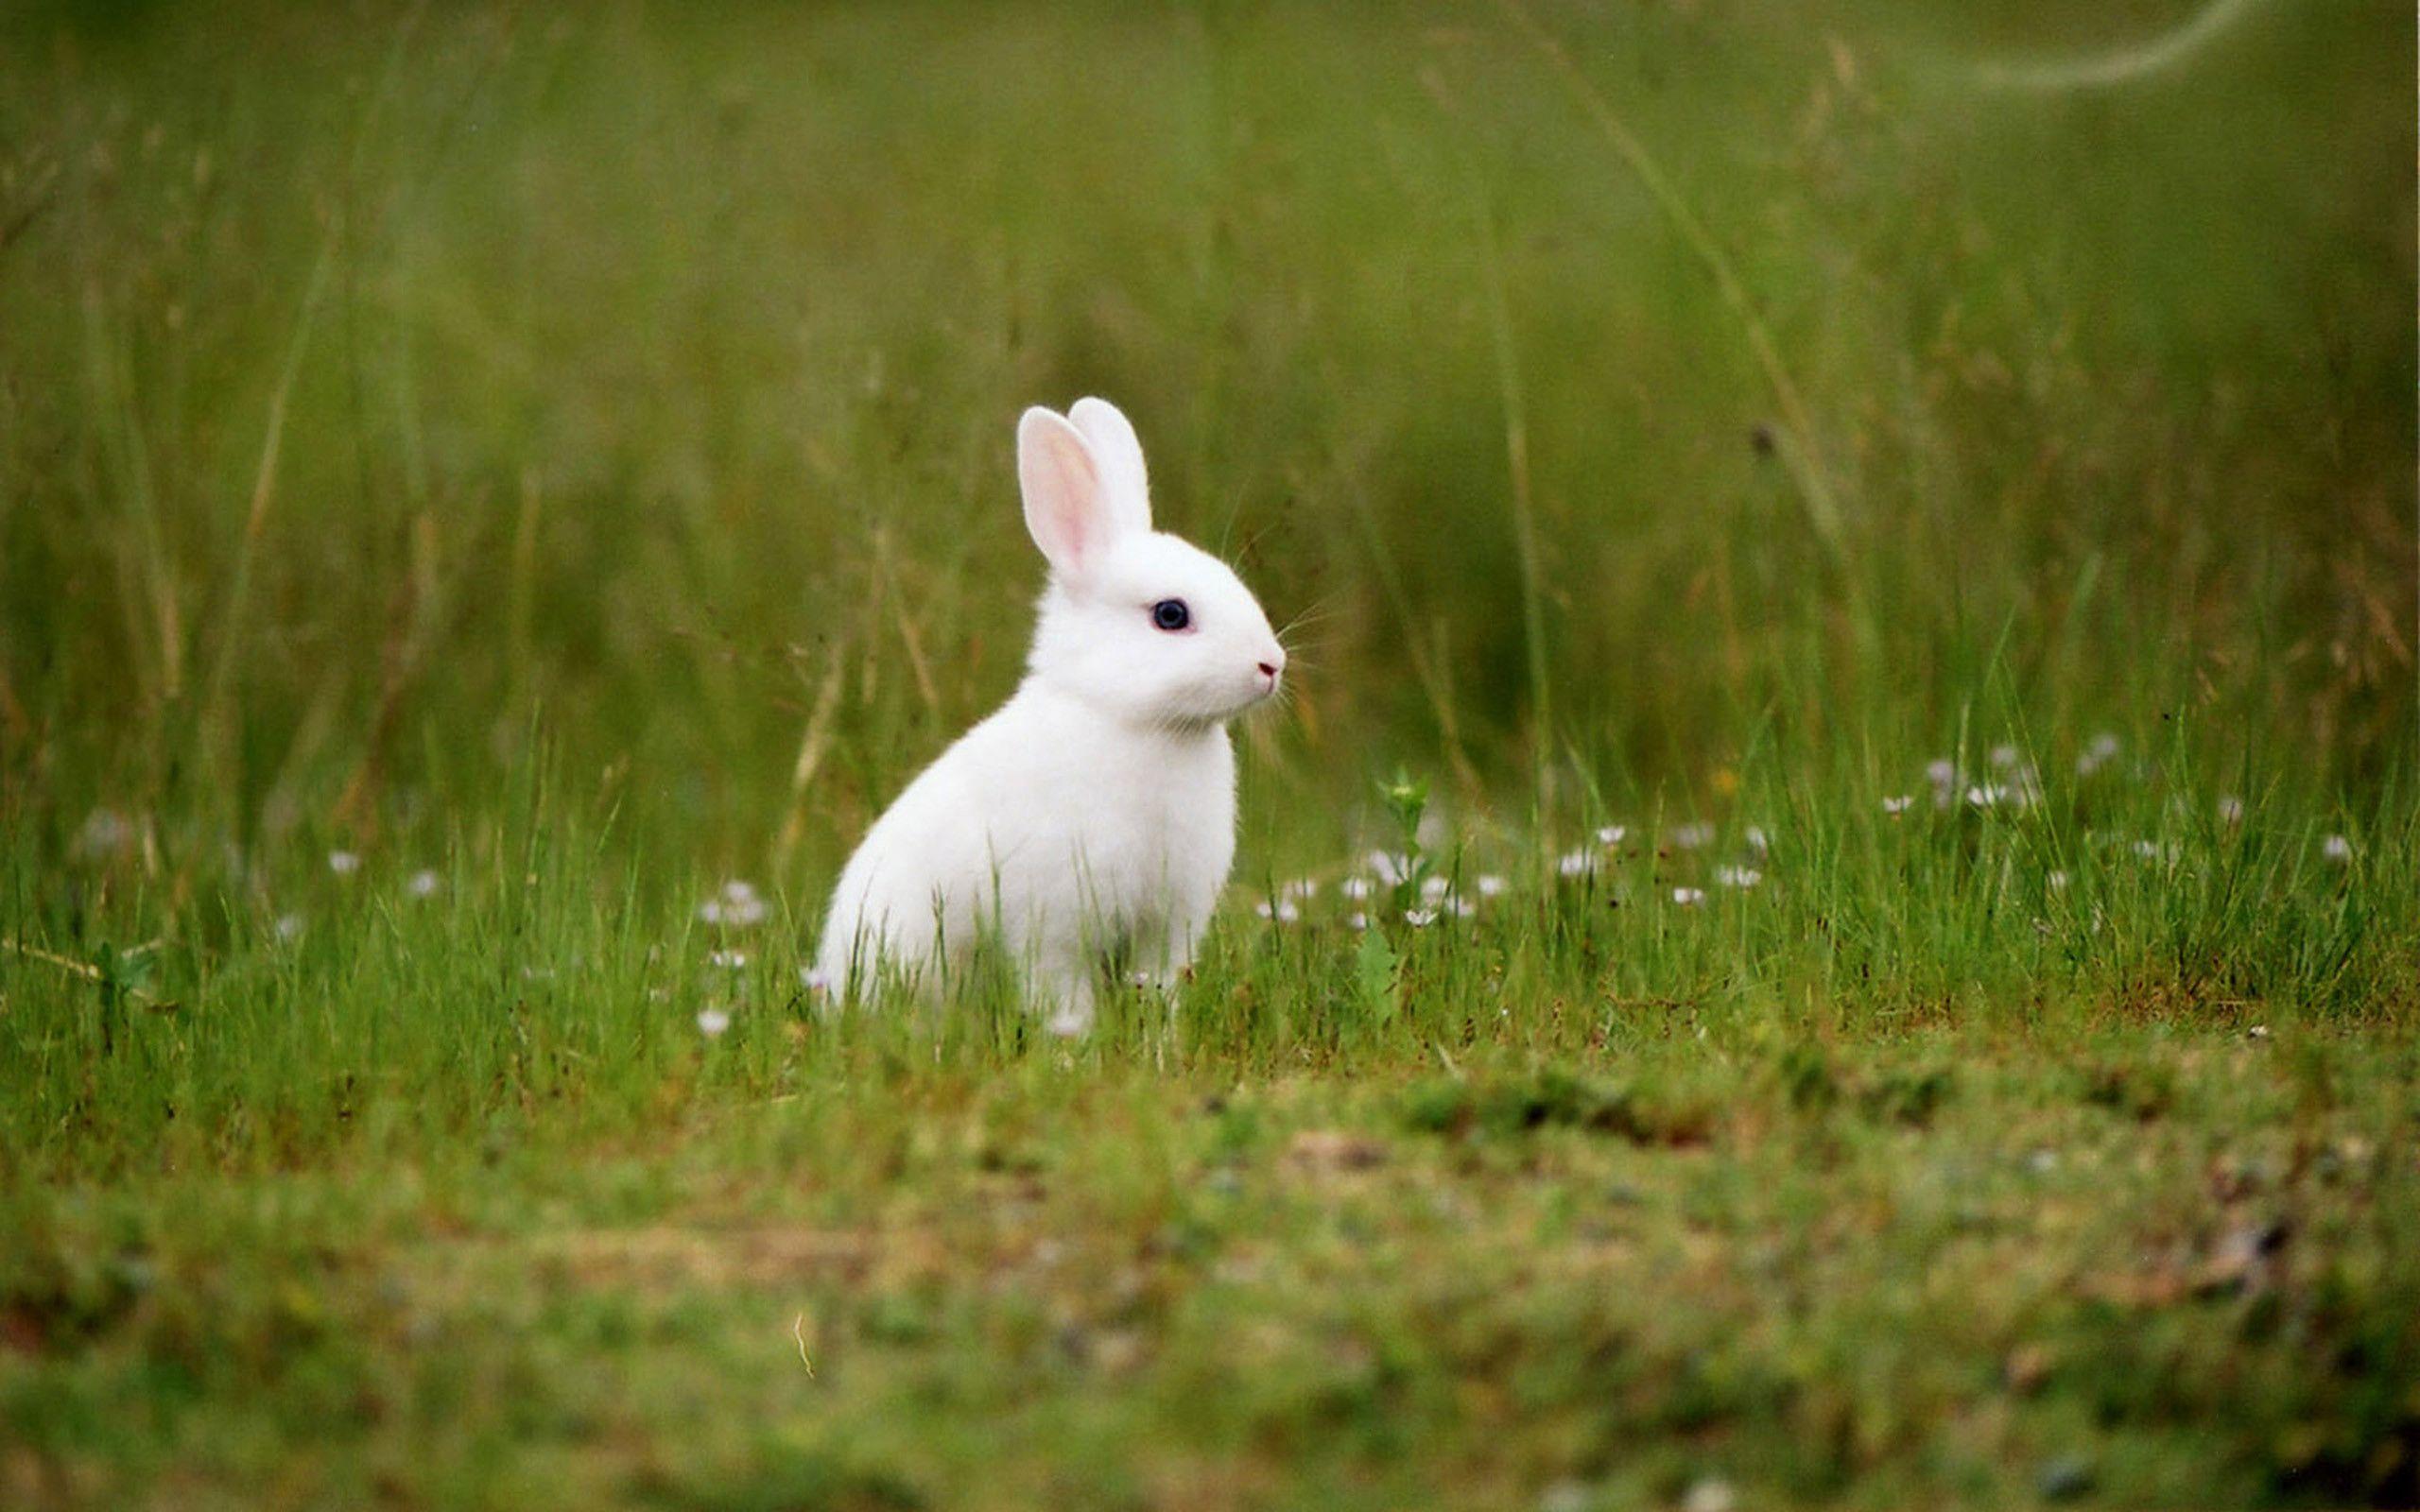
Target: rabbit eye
{"x": 1171, "y": 614}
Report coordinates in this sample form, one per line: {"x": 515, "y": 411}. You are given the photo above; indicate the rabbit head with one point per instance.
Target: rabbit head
{"x": 1136, "y": 622}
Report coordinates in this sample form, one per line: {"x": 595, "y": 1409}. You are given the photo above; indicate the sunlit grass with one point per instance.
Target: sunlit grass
{"x": 1829, "y": 917}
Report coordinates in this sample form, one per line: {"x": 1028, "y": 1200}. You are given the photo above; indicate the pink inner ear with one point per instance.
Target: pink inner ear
{"x": 1062, "y": 495}
{"x": 1073, "y": 488}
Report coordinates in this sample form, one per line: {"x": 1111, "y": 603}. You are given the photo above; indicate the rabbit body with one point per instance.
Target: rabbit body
{"x": 1091, "y": 819}
{"x": 1092, "y": 860}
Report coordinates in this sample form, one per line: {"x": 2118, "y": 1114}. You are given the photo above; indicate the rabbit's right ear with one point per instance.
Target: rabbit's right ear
{"x": 1066, "y": 504}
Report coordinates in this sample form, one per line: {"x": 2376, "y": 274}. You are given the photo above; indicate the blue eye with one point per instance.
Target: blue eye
{"x": 1171, "y": 614}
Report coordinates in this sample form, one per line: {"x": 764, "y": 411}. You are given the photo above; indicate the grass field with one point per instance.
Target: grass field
{"x": 1830, "y": 918}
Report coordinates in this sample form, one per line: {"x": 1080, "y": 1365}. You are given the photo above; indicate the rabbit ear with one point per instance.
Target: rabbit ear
{"x": 1121, "y": 460}
{"x": 1066, "y": 501}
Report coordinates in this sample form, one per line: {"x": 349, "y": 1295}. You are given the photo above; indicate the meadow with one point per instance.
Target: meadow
{"x": 1829, "y": 918}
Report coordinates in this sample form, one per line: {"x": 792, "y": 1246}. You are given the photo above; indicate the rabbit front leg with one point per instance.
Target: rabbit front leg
{"x": 1064, "y": 998}
{"x": 1065, "y": 992}
{"x": 1162, "y": 965}
{"x": 1163, "y": 959}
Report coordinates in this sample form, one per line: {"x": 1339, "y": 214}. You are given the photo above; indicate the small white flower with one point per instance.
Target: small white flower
{"x": 1742, "y": 877}
{"x": 1391, "y": 867}
{"x": 736, "y": 904}
{"x": 1356, "y": 920}
{"x": 2099, "y": 752}
{"x": 817, "y": 982}
{"x": 1688, "y": 896}
{"x": 1612, "y": 834}
{"x": 1420, "y": 918}
{"x": 1898, "y": 803}
{"x": 1356, "y": 888}
{"x": 1433, "y": 888}
{"x": 105, "y": 833}
{"x": 2056, "y": 882}
{"x": 2337, "y": 848}
{"x": 289, "y": 926}
{"x": 1490, "y": 885}
{"x": 1712, "y": 1494}
{"x": 422, "y": 883}
{"x": 2004, "y": 757}
{"x": 728, "y": 960}
{"x": 1756, "y": 839}
{"x": 1576, "y": 863}
{"x": 1281, "y": 911}
{"x": 537, "y": 973}
{"x": 1460, "y": 907}
{"x": 2154, "y": 850}
{"x": 1691, "y": 837}
{"x": 712, "y": 1021}
{"x": 1988, "y": 795}
{"x": 344, "y": 863}
{"x": 2230, "y": 810}
{"x": 1301, "y": 891}
{"x": 1941, "y": 772}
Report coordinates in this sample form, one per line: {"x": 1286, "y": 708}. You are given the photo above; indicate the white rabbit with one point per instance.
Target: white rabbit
{"x": 1094, "y": 815}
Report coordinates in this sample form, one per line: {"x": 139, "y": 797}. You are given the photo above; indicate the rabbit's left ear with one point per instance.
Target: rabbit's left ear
{"x": 1066, "y": 499}
{"x": 1120, "y": 454}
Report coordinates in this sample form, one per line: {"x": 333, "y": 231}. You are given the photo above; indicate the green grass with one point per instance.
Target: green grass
{"x": 561, "y": 466}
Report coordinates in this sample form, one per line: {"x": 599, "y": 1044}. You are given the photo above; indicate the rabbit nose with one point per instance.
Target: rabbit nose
{"x": 1272, "y": 661}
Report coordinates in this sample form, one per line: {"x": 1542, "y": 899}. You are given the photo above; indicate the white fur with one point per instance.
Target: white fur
{"x": 1094, "y": 815}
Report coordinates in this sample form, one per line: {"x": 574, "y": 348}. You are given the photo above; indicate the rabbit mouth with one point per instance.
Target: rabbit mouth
{"x": 1213, "y": 707}
{"x": 1265, "y": 689}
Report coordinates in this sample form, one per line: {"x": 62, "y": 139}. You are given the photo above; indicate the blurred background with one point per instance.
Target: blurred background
{"x": 395, "y": 398}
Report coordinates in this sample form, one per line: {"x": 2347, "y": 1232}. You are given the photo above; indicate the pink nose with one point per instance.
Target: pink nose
{"x": 1269, "y": 669}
